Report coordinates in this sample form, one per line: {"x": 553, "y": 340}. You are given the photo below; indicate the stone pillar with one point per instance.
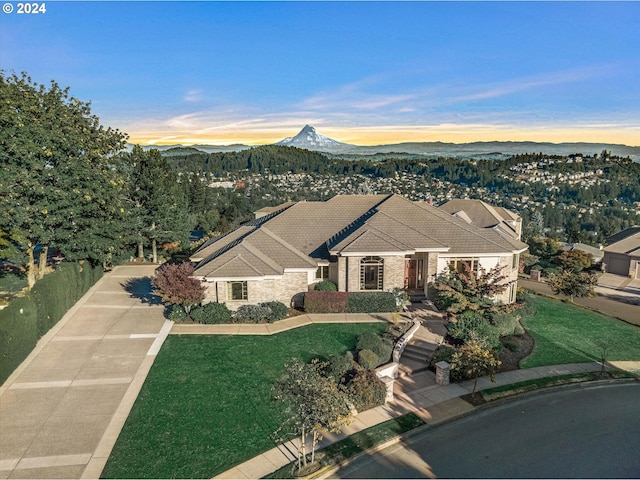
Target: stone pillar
{"x": 535, "y": 275}
{"x": 442, "y": 373}
{"x": 388, "y": 382}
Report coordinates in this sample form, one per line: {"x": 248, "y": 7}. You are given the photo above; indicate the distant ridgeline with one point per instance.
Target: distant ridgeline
{"x": 581, "y": 198}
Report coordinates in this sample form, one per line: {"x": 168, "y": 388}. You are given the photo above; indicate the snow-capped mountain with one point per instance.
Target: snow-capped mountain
{"x": 310, "y": 139}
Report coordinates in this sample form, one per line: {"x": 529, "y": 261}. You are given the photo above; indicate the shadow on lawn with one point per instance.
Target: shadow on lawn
{"x": 142, "y": 289}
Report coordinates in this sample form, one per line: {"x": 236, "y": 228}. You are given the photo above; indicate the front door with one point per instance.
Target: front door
{"x": 410, "y": 274}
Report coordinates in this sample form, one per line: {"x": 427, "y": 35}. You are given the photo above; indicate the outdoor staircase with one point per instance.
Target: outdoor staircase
{"x": 417, "y": 354}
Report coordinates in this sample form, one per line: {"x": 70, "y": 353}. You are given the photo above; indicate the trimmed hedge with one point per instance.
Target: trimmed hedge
{"x": 326, "y": 302}
{"x": 371, "y": 302}
{"x": 27, "y": 318}
{"x": 349, "y": 302}
{"x": 18, "y": 334}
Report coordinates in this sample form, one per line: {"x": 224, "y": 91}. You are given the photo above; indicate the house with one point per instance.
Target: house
{"x": 359, "y": 242}
{"x": 622, "y": 255}
{"x": 481, "y": 214}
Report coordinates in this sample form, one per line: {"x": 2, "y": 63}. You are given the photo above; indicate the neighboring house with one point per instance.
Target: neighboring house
{"x": 597, "y": 252}
{"x": 481, "y": 214}
{"x": 359, "y": 242}
{"x": 622, "y": 255}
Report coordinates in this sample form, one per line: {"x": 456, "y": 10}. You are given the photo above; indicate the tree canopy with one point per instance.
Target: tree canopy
{"x": 60, "y": 182}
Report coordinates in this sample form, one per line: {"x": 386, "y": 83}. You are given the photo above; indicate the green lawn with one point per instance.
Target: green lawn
{"x": 567, "y": 334}
{"x": 206, "y": 404}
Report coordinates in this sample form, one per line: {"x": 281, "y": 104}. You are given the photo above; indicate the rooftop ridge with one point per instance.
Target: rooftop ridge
{"x": 361, "y": 220}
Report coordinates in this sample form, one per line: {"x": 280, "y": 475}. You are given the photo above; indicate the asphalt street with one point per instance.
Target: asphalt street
{"x": 586, "y": 432}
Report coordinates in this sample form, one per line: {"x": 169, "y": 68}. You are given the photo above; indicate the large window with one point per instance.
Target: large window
{"x": 458, "y": 264}
{"x": 371, "y": 273}
{"x": 237, "y": 290}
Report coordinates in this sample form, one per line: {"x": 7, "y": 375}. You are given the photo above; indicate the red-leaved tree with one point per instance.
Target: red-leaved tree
{"x": 173, "y": 282}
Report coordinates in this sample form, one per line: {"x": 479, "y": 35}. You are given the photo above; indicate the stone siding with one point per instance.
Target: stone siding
{"x": 282, "y": 290}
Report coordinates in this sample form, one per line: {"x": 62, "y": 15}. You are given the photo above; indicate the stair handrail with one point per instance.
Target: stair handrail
{"x": 406, "y": 337}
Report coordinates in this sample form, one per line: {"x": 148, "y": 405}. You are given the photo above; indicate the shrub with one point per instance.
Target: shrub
{"x": 471, "y": 326}
{"x": 366, "y": 390}
{"x": 326, "y": 286}
{"x": 442, "y": 353}
{"x": 326, "y": 302}
{"x": 18, "y": 334}
{"x": 211, "y": 313}
{"x": 251, "y": 313}
{"x": 276, "y": 311}
{"x": 340, "y": 365}
{"x": 177, "y": 313}
{"x": 505, "y": 323}
{"x": 512, "y": 346}
{"x": 382, "y": 347}
{"x": 368, "y": 359}
{"x": 371, "y": 302}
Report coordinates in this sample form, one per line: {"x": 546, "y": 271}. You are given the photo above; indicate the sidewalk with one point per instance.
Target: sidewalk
{"x": 434, "y": 404}
{"x": 62, "y": 409}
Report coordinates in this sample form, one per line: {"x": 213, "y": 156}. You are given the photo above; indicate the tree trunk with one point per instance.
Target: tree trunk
{"x": 42, "y": 261}
{"x": 31, "y": 269}
{"x": 154, "y": 250}
{"x": 140, "y": 250}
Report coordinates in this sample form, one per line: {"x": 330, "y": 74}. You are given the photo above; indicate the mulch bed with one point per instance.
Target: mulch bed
{"x": 510, "y": 360}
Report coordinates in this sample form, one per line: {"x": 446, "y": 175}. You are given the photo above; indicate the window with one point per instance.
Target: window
{"x": 237, "y": 290}
{"x": 457, "y": 264}
{"x": 516, "y": 262}
{"x": 371, "y": 273}
{"x": 322, "y": 273}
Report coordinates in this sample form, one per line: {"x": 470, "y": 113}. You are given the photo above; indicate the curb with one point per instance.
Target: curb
{"x": 328, "y": 472}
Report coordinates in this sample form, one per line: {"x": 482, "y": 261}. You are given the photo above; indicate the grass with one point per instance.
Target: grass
{"x": 206, "y": 404}
{"x": 568, "y": 334}
{"x": 359, "y": 442}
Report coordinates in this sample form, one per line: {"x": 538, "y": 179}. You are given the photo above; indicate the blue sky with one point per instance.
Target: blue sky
{"x": 360, "y": 72}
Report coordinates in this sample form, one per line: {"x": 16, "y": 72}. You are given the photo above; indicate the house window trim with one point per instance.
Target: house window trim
{"x": 244, "y": 290}
{"x": 372, "y": 262}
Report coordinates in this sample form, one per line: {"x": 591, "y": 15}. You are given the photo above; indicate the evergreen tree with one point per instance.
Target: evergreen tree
{"x": 158, "y": 203}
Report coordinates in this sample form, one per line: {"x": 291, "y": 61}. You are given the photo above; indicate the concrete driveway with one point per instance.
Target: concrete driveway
{"x": 62, "y": 409}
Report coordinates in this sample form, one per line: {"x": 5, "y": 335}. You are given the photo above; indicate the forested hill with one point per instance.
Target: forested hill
{"x": 267, "y": 158}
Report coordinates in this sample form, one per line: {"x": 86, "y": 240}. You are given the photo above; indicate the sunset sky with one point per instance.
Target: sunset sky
{"x": 360, "y": 72}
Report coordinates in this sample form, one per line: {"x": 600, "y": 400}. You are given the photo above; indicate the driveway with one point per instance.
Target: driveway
{"x": 62, "y": 409}
{"x": 585, "y": 432}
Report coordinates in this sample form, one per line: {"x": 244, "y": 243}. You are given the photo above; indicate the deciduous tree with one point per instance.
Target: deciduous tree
{"x": 60, "y": 182}
{"x": 468, "y": 290}
{"x": 573, "y": 284}
{"x": 173, "y": 282}
{"x": 471, "y": 360}
{"x": 315, "y": 404}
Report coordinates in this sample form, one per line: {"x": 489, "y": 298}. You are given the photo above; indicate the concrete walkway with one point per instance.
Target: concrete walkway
{"x": 434, "y": 404}
{"x": 62, "y": 409}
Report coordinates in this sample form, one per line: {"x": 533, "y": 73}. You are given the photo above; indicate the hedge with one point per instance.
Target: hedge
{"x": 326, "y": 302}
{"x": 27, "y": 318}
{"x": 349, "y": 302}
{"x": 371, "y": 302}
{"x": 18, "y": 334}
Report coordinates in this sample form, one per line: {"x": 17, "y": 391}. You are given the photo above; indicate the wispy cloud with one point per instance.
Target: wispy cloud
{"x": 193, "y": 96}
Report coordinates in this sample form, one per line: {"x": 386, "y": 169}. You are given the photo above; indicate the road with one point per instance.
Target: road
{"x": 588, "y": 432}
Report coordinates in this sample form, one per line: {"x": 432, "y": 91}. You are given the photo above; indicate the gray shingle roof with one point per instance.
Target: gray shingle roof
{"x": 302, "y": 234}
